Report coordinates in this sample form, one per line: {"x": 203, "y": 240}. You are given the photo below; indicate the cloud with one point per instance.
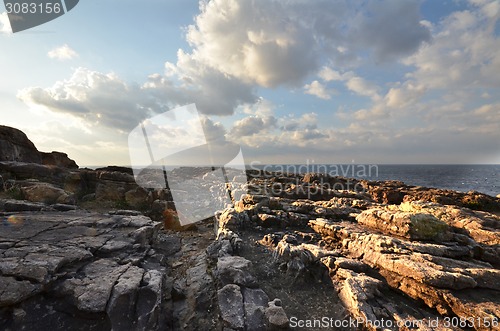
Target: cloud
{"x": 432, "y": 102}
{"x": 404, "y": 96}
{"x": 5, "y": 23}
{"x": 489, "y": 8}
{"x": 408, "y": 120}
{"x": 307, "y": 121}
{"x": 61, "y": 53}
{"x": 305, "y": 136}
{"x": 213, "y": 130}
{"x": 327, "y": 74}
{"x": 276, "y": 43}
{"x": 353, "y": 83}
{"x": 252, "y": 125}
{"x": 237, "y": 47}
{"x": 193, "y": 81}
{"x": 105, "y": 99}
{"x": 264, "y": 43}
{"x": 391, "y": 29}
{"x": 317, "y": 89}
{"x": 247, "y": 126}
{"x": 464, "y": 54}
{"x": 262, "y": 107}
{"x": 96, "y": 98}
{"x": 363, "y": 87}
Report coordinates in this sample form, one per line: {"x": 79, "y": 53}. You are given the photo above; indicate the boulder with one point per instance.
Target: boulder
{"x": 110, "y": 191}
{"x": 255, "y": 303}
{"x": 231, "y": 306}
{"x": 138, "y": 198}
{"x": 46, "y": 193}
{"x": 235, "y": 270}
{"x": 415, "y": 226}
{"x": 355, "y": 292}
{"x": 58, "y": 159}
{"x": 276, "y": 315}
{"x": 112, "y": 186}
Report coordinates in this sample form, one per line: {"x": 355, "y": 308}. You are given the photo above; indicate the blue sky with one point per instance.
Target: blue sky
{"x": 289, "y": 81}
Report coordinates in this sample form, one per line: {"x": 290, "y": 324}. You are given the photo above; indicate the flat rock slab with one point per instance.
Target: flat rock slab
{"x": 98, "y": 265}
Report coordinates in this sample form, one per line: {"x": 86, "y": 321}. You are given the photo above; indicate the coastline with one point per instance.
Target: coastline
{"x": 483, "y": 178}
{"x": 91, "y": 249}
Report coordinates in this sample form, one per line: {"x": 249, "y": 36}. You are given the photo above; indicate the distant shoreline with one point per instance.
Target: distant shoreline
{"x": 484, "y": 178}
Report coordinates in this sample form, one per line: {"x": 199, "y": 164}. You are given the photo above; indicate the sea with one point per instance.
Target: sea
{"x": 481, "y": 178}
{"x": 464, "y": 178}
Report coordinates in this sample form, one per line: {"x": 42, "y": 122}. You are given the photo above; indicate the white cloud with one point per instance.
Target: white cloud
{"x": 237, "y": 46}
{"x": 353, "y": 82}
{"x": 464, "y": 54}
{"x": 328, "y": 74}
{"x": 307, "y": 121}
{"x": 262, "y": 108}
{"x": 252, "y": 125}
{"x": 193, "y": 81}
{"x": 265, "y": 43}
{"x": 105, "y": 99}
{"x": 279, "y": 43}
{"x": 406, "y": 95}
{"x": 490, "y": 8}
{"x": 63, "y": 52}
{"x": 317, "y": 89}
{"x": 96, "y": 98}
{"x": 363, "y": 87}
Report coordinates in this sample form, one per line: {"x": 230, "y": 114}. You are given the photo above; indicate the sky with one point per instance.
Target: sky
{"x": 289, "y": 81}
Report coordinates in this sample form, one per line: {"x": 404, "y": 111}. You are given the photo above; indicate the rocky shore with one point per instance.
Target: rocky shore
{"x": 84, "y": 249}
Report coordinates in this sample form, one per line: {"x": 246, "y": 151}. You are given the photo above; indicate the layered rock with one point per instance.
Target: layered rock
{"x": 384, "y": 260}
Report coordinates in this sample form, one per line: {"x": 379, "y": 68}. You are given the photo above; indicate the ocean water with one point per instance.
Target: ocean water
{"x": 481, "y": 178}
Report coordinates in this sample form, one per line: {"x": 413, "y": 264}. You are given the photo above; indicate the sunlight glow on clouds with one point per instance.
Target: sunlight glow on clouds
{"x": 96, "y": 98}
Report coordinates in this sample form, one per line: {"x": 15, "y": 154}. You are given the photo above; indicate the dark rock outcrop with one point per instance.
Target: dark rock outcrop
{"x": 15, "y": 146}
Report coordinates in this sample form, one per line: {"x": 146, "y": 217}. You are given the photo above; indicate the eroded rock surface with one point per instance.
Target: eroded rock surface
{"x": 100, "y": 266}
{"x": 301, "y": 251}
{"x": 412, "y": 263}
